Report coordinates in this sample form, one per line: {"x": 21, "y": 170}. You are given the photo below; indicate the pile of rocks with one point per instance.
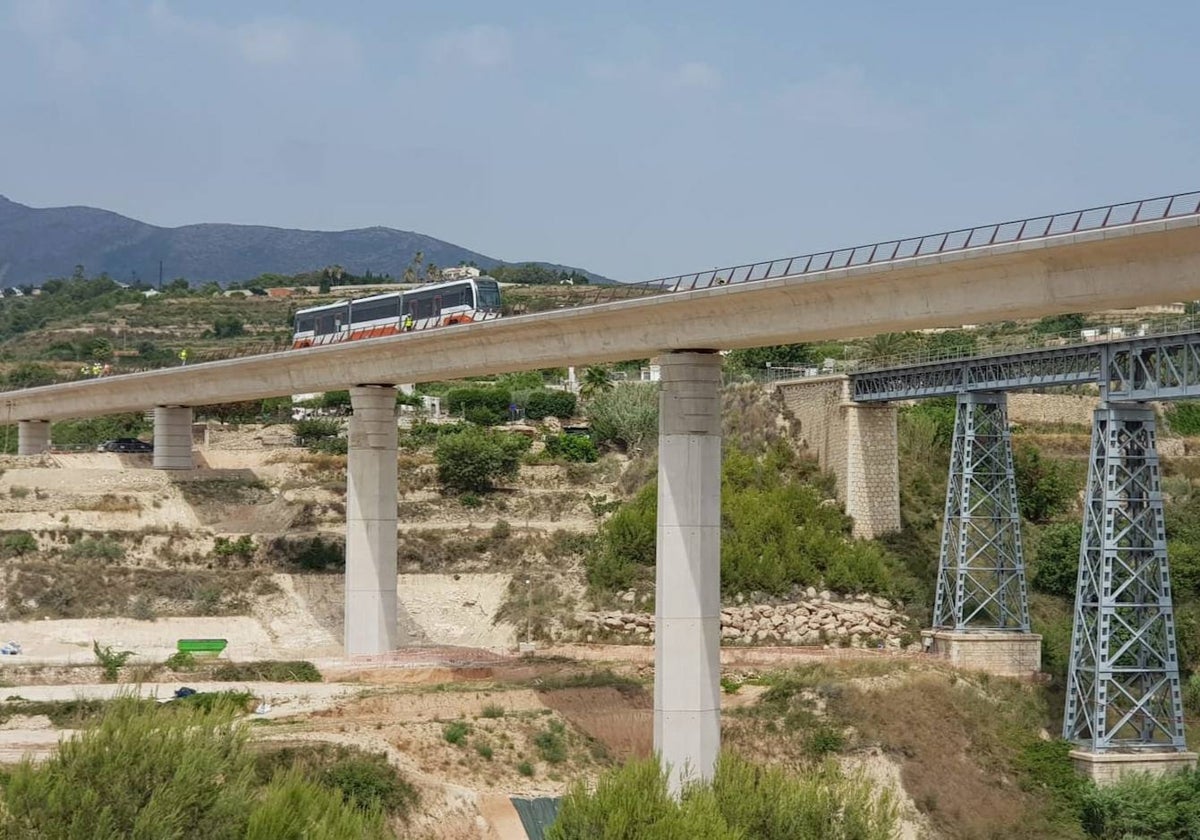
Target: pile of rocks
{"x": 817, "y": 620}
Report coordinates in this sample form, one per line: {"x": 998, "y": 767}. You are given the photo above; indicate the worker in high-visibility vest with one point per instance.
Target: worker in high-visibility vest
{"x": 183, "y": 354}
{"x": 408, "y": 322}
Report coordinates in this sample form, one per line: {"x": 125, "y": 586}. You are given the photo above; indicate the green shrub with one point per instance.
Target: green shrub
{"x": 90, "y": 548}
{"x": 776, "y": 533}
{"x": 483, "y": 406}
{"x": 501, "y": 530}
{"x": 474, "y": 459}
{"x": 1056, "y": 566}
{"x": 1044, "y": 489}
{"x": 1191, "y": 694}
{"x": 315, "y": 429}
{"x": 267, "y": 670}
{"x": 242, "y": 547}
{"x": 1140, "y": 806}
{"x": 294, "y": 808}
{"x": 110, "y": 661}
{"x": 364, "y": 779}
{"x": 368, "y": 782}
{"x": 743, "y": 801}
{"x": 181, "y": 660}
{"x": 493, "y": 710}
{"x": 1183, "y": 417}
{"x": 824, "y": 740}
{"x": 626, "y": 416}
{"x": 484, "y": 751}
{"x": 456, "y": 732}
{"x": 525, "y": 769}
{"x": 572, "y": 448}
{"x": 330, "y": 446}
{"x": 544, "y": 403}
{"x": 551, "y": 743}
{"x": 18, "y": 544}
{"x": 1046, "y": 766}
{"x": 317, "y": 555}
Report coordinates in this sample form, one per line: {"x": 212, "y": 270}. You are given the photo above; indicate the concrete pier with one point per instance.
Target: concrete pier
{"x": 687, "y": 663}
{"x": 33, "y": 437}
{"x": 371, "y": 522}
{"x": 173, "y": 437}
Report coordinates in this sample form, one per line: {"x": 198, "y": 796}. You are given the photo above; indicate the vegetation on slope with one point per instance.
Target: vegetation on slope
{"x": 184, "y": 770}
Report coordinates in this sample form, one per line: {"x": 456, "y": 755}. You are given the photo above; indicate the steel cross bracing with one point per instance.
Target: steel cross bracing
{"x": 1161, "y": 367}
{"x": 1123, "y": 687}
{"x": 981, "y": 571}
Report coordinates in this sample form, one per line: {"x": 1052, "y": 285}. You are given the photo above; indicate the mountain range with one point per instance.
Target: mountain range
{"x": 38, "y": 243}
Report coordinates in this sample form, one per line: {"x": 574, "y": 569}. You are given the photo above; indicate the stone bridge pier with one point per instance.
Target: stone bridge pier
{"x": 857, "y": 443}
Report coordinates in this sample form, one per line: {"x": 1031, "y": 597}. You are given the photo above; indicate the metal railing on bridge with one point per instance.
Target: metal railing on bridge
{"x": 1018, "y": 230}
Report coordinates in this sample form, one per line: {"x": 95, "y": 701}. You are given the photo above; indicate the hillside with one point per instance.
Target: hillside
{"x": 38, "y": 243}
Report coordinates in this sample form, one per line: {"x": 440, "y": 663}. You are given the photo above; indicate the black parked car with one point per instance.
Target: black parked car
{"x": 126, "y": 445}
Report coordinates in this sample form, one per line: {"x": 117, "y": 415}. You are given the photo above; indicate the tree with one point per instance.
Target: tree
{"x": 30, "y": 375}
{"x": 228, "y": 326}
{"x": 778, "y": 355}
{"x": 1044, "y": 490}
{"x": 595, "y": 381}
{"x": 1056, "y": 566}
{"x": 471, "y": 461}
{"x": 412, "y": 273}
{"x": 1068, "y": 324}
{"x": 886, "y": 345}
{"x": 626, "y": 416}
{"x": 100, "y": 349}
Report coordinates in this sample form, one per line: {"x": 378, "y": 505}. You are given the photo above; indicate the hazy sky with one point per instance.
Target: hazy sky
{"x": 628, "y": 140}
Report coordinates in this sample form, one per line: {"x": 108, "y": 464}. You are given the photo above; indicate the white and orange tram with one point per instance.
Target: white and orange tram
{"x": 433, "y": 305}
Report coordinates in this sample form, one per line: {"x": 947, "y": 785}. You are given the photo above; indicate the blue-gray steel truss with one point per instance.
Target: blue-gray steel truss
{"x": 1123, "y": 687}
{"x": 1161, "y": 367}
{"x": 981, "y": 570}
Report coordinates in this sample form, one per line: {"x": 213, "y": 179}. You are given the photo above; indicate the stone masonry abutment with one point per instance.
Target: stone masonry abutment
{"x": 857, "y": 443}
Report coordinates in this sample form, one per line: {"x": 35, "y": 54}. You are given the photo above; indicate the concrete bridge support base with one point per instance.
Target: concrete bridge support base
{"x": 1003, "y": 653}
{"x": 371, "y": 496}
{"x": 687, "y": 653}
{"x": 33, "y": 437}
{"x": 1106, "y": 768}
{"x": 173, "y": 438}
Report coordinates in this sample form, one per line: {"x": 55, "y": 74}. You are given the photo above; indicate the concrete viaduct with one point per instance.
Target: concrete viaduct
{"x": 1109, "y": 257}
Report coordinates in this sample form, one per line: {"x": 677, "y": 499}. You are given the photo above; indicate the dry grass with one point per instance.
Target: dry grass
{"x": 88, "y": 589}
{"x": 957, "y": 744}
{"x": 111, "y": 503}
{"x": 620, "y": 719}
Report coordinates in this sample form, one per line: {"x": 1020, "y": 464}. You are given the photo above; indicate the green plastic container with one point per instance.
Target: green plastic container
{"x": 202, "y": 647}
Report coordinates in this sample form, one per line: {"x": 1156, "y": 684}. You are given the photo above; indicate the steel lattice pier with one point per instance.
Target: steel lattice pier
{"x": 981, "y": 570}
{"x": 1123, "y": 687}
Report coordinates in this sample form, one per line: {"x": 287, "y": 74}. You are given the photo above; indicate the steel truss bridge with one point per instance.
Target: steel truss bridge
{"x": 1160, "y": 367}
{"x": 1123, "y": 685}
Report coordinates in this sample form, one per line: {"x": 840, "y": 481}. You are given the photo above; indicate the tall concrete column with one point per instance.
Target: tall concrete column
{"x": 687, "y": 660}
{"x": 371, "y": 522}
{"x": 173, "y": 437}
{"x": 33, "y": 437}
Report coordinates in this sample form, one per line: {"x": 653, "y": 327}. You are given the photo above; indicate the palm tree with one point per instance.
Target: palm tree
{"x": 595, "y": 381}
